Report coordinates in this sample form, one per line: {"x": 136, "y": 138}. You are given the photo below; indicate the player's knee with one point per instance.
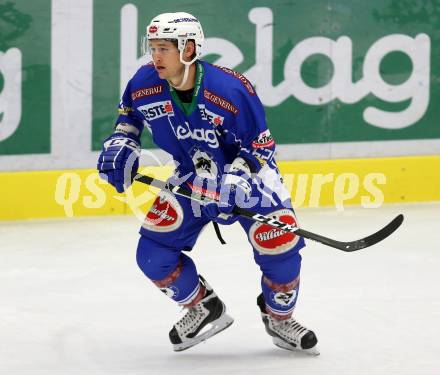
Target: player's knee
{"x": 289, "y": 269}
{"x": 282, "y": 268}
{"x": 155, "y": 261}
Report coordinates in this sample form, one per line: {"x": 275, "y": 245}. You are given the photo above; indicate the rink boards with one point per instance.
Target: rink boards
{"x": 366, "y": 182}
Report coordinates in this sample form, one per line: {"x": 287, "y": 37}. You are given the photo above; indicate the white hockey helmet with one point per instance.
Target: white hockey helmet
{"x": 179, "y": 26}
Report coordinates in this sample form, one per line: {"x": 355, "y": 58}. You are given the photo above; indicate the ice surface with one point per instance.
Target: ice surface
{"x": 72, "y": 300}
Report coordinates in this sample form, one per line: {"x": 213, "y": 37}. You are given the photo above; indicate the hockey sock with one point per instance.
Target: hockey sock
{"x": 280, "y": 298}
{"x": 182, "y": 284}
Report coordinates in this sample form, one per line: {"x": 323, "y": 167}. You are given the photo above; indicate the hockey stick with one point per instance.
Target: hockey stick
{"x": 344, "y": 246}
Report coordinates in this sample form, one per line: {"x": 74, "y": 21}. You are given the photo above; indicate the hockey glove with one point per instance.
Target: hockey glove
{"x": 119, "y": 159}
{"x": 235, "y": 190}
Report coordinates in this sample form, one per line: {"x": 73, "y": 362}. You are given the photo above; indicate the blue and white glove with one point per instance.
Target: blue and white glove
{"x": 119, "y": 159}
{"x": 235, "y": 190}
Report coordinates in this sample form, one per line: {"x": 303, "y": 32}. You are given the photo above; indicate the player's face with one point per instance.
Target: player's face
{"x": 166, "y": 59}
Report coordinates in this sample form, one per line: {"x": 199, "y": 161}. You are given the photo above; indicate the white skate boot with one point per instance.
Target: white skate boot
{"x": 288, "y": 334}
{"x": 209, "y": 311}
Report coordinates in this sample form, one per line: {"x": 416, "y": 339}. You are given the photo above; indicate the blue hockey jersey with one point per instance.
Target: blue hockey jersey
{"x": 224, "y": 120}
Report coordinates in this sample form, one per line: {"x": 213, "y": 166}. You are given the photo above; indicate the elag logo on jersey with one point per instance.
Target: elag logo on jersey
{"x": 199, "y": 134}
{"x": 165, "y": 214}
{"x": 211, "y": 117}
{"x": 265, "y": 139}
{"x": 272, "y": 241}
{"x": 157, "y": 110}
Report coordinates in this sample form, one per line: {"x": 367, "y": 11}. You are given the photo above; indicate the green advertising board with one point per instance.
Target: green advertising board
{"x": 326, "y": 71}
{"x": 25, "y": 77}
{"x": 332, "y": 75}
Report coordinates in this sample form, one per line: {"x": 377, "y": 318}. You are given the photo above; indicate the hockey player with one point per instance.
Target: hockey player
{"x": 210, "y": 119}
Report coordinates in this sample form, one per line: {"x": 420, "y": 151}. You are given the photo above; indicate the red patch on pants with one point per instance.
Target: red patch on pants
{"x": 272, "y": 241}
{"x": 165, "y": 215}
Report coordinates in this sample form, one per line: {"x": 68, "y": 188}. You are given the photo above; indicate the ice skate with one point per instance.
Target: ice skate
{"x": 210, "y": 312}
{"x": 288, "y": 334}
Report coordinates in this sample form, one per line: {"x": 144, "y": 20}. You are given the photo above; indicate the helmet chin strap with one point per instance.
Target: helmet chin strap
{"x": 186, "y": 72}
{"x": 184, "y": 79}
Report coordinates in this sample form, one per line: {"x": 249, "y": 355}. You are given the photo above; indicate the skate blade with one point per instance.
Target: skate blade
{"x": 217, "y": 326}
{"x": 284, "y": 345}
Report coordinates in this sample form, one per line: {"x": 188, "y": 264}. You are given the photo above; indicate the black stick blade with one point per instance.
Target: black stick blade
{"x": 358, "y": 244}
